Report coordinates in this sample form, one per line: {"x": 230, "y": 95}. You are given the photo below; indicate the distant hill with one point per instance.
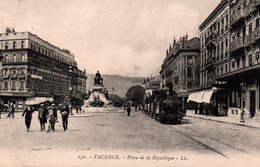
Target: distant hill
{"x": 121, "y": 84}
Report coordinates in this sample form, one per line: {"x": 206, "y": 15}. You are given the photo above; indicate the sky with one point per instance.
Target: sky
{"x": 120, "y": 37}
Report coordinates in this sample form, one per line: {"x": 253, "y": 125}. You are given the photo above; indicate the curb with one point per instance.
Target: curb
{"x": 239, "y": 124}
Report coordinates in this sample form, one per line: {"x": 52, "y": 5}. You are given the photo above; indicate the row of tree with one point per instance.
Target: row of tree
{"x": 134, "y": 94}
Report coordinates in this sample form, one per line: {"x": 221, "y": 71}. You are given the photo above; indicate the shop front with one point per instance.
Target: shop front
{"x": 210, "y": 101}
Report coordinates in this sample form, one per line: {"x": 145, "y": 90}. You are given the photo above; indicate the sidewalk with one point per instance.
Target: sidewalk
{"x": 249, "y": 122}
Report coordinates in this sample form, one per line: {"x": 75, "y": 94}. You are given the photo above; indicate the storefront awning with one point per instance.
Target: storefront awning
{"x": 202, "y": 96}
{"x": 37, "y": 100}
{"x": 207, "y": 96}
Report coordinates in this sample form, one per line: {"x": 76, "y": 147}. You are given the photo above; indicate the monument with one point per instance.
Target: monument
{"x": 97, "y": 96}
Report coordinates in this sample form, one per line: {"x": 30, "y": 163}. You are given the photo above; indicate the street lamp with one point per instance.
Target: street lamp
{"x": 70, "y": 90}
{"x": 242, "y": 118}
{"x": 242, "y": 89}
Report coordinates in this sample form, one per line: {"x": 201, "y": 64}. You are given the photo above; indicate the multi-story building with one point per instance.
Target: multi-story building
{"x": 214, "y": 57}
{"x": 32, "y": 67}
{"x": 230, "y": 62}
{"x": 180, "y": 68}
{"x": 151, "y": 85}
{"x": 243, "y": 74}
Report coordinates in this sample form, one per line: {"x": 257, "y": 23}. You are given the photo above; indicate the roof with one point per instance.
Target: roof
{"x": 213, "y": 13}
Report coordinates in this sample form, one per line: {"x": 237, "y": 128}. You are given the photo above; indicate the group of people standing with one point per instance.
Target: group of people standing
{"x": 47, "y": 115}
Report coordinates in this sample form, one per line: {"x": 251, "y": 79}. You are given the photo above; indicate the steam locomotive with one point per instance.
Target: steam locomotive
{"x": 163, "y": 107}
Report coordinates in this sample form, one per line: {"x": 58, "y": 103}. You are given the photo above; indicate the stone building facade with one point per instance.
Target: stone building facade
{"x": 214, "y": 57}
{"x": 32, "y": 67}
{"x": 243, "y": 77}
{"x": 230, "y": 58}
{"x": 181, "y": 67}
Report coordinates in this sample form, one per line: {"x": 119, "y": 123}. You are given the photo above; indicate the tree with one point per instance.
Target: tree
{"x": 117, "y": 101}
{"x": 135, "y": 94}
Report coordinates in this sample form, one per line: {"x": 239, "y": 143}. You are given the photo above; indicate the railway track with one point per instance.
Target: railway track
{"x": 214, "y": 144}
{"x": 208, "y": 142}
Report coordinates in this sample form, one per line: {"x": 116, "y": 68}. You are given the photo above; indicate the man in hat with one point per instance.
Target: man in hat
{"x": 65, "y": 115}
{"x": 128, "y": 109}
{"x": 42, "y": 117}
{"x": 28, "y": 116}
{"x": 51, "y": 119}
{"x": 54, "y": 111}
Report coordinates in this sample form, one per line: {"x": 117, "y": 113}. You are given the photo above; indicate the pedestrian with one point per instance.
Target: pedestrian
{"x": 54, "y": 111}
{"x": 77, "y": 109}
{"x": 11, "y": 112}
{"x": 207, "y": 110}
{"x": 80, "y": 109}
{"x": 125, "y": 106}
{"x": 42, "y": 116}
{"x": 196, "y": 109}
{"x": 28, "y": 116}
{"x": 65, "y": 115}
{"x": 242, "y": 115}
{"x": 70, "y": 107}
{"x": 51, "y": 119}
{"x": 128, "y": 109}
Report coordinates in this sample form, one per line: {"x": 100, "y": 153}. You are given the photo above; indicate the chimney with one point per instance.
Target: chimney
{"x": 167, "y": 53}
{"x": 181, "y": 42}
{"x": 174, "y": 43}
{"x": 13, "y": 30}
{"x": 170, "y": 48}
{"x": 8, "y": 30}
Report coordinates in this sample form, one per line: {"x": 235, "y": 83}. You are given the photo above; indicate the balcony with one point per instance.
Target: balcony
{"x": 13, "y": 76}
{"x": 249, "y": 40}
{"x": 209, "y": 64}
{"x": 22, "y": 75}
{"x": 257, "y": 4}
{"x": 256, "y": 34}
{"x": 236, "y": 45}
{"x": 5, "y": 76}
{"x": 250, "y": 8}
{"x": 14, "y": 61}
{"x": 236, "y": 17}
{"x": 210, "y": 40}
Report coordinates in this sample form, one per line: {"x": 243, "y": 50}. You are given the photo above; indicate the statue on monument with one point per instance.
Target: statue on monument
{"x": 98, "y": 79}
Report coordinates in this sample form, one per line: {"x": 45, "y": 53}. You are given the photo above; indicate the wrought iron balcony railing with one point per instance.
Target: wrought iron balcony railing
{"x": 236, "y": 16}
{"x": 236, "y": 44}
{"x": 210, "y": 64}
{"x": 256, "y": 34}
{"x": 248, "y": 9}
{"x": 17, "y": 60}
{"x": 257, "y": 4}
{"x": 210, "y": 40}
{"x": 248, "y": 39}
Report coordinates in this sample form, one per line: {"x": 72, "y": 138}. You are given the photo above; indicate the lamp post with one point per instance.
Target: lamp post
{"x": 242, "y": 89}
{"x": 70, "y": 90}
{"x": 242, "y": 117}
